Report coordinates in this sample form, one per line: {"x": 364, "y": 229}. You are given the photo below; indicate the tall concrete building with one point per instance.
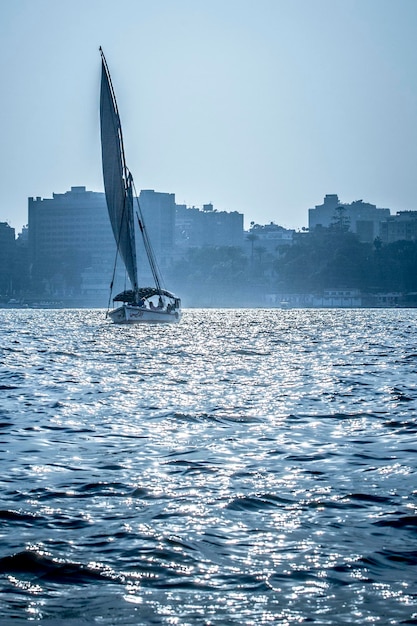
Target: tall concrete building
{"x": 7, "y": 258}
{"x": 363, "y": 218}
{"x": 402, "y": 226}
{"x": 158, "y": 211}
{"x": 207, "y": 227}
{"x": 72, "y": 248}
{"x": 67, "y": 234}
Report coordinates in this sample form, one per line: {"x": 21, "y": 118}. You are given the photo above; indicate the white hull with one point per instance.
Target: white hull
{"x": 130, "y": 314}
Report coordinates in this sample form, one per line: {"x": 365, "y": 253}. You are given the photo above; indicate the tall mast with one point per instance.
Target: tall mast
{"x": 116, "y": 176}
{"x": 116, "y": 109}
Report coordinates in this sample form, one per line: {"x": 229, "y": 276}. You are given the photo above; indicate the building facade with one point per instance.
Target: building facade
{"x": 360, "y": 217}
{"x": 158, "y": 211}
{"x": 272, "y": 237}
{"x": 67, "y": 234}
{"x": 402, "y": 226}
{"x": 197, "y": 228}
{"x": 72, "y": 249}
{"x": 7, "y": 259}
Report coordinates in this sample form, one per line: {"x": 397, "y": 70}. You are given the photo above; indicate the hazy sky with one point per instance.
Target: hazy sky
{"x": 258, "y": 106}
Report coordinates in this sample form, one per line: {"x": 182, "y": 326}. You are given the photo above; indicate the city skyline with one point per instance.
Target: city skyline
{"x": 247, "y": 226}
{"x": 258, "y": 108}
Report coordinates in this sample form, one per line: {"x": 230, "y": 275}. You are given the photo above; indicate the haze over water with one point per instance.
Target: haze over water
{"x": 245, "y": 466}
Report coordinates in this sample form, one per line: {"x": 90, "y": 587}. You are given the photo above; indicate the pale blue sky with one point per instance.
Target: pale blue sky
{"x": 259, "y": 106}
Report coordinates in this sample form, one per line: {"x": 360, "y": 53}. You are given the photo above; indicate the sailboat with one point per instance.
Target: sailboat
{"x": 139, "y": 304}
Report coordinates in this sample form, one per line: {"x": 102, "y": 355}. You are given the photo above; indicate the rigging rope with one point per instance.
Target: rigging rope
{"x": 156, "y": 272}
{"x": 112, "y": 280}
{"x": 115, "y": 258}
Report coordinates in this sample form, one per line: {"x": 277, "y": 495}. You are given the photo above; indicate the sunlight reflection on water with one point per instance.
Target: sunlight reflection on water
{"x": 245, "y": 466}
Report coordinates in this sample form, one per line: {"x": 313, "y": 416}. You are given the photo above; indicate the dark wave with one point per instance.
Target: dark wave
{"x": 250, "y": 352}
{"x": 368, "y": 498}
{"x": 409, "y": 522}
{"x": 217, "y": 415}
{"x": 18, "y": 516}
{"x": 44, "y": 567}
{"x": 255, "y": 503}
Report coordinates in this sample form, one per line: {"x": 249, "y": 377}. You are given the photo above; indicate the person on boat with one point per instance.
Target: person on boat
{"x": 142, "y": 303}
{"x": 151, "y": 305}
{"x": 160, "y": 303}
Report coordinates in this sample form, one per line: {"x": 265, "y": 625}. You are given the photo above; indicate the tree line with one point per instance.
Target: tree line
{"x": 325, "y": 258}
{"x": 321, "y": 259}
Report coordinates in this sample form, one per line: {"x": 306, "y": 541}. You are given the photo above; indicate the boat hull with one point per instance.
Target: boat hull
{"x": 130, "y": 314}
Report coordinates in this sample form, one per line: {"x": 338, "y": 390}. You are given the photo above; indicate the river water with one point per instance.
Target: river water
{"x": 242, "y": 467}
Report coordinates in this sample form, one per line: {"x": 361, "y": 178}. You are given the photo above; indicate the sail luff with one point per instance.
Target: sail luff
{"x": 117, "y": 179}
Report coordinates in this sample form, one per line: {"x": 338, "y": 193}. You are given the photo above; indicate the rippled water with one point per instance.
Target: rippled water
{"x": 243, "y": 467}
